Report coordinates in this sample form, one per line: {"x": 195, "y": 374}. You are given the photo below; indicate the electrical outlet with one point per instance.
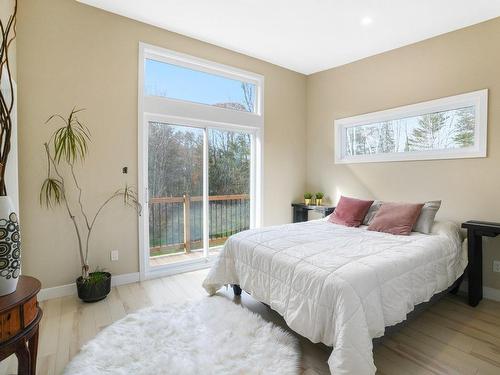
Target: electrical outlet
{"x": 114, "y": 255}
{"x": 496, "y": 266}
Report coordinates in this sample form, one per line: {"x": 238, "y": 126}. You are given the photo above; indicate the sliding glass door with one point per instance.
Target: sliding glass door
{"x": 229, "y": 165}
{"x": 175, "y": 192}
{"x": 177, "y": 166}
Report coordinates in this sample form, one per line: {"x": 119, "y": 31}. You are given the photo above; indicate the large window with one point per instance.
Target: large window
{"x": 200, "y": 131}
{"x": 453, "y": 127}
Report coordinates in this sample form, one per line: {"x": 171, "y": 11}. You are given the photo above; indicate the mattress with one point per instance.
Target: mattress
{"x": 338, "y": 285}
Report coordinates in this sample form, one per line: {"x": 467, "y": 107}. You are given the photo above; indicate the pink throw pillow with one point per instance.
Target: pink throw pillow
{"x": 396, "y": 218}
{"x": 350, "y": 212}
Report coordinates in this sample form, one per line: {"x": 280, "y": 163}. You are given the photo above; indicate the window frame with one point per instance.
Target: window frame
{"x": 180, "y": 112}
{"x": 477, "y": 99}
{"x": 194, "y": 63}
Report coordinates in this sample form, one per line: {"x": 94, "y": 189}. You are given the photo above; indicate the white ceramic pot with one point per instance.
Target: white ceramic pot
{"x": 10, "y": 247}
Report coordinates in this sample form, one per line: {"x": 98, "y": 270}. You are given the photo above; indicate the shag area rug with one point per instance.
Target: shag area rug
{"x": 209, "y": 336}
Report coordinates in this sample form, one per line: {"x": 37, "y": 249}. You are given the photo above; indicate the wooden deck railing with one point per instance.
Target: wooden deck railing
{"x": 176, "y": 223}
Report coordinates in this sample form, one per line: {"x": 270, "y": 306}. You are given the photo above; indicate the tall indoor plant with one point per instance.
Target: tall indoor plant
{"x": 10, "y": 245}
{"x": 67, "y": 146}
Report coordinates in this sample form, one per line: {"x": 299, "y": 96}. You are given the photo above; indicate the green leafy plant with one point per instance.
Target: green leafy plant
{"x": 308, "y": 195}
{"x": 96, "y": 277}
{"x": 319, "y": 195}
{"x": 67, "y": 146}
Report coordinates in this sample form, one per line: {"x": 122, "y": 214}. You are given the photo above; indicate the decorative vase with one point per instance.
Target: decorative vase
{"x": 307, "y": 201}
{"x": 10, "y": 247}
{"x": 319, "y": 201}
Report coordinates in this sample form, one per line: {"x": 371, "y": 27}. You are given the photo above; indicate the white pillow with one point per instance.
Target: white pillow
{"x": 426, "y": 219}
{"x": 372, "y": 211}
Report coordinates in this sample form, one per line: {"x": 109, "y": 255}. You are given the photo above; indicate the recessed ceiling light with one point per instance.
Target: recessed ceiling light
{"x": 365, "y": 21}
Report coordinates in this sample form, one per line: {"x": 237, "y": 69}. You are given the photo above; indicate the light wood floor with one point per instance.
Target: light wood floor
{"x": 448, "y": 338}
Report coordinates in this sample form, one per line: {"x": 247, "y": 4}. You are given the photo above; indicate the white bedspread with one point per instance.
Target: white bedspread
{"x": 337, "y": 285}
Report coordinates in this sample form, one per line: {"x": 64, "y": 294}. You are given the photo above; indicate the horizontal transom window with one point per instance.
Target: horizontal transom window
{"x": 181, "y": 83}
{"x": 453, "y": 127}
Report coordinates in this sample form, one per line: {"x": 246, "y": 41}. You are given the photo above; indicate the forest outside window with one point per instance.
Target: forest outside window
{"x": 452, "y": 127}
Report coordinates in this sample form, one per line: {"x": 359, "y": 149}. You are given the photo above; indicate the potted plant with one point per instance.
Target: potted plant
{"x": 95, "y": 287}
{"x": 319, "y": 198}
{"x": 10, "y": 244}
{"x": 67, "y": 146}
{"x": 307, "y": 198}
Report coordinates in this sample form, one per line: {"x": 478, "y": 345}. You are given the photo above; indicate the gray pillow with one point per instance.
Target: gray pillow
{"x": 372, "y": 211}
{"x": 426, "y": 219}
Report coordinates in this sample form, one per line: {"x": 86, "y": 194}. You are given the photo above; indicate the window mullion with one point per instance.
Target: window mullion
{"x": 206, "y": 229}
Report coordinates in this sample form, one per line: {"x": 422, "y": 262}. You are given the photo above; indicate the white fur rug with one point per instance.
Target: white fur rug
{"x": 209, "y": 336}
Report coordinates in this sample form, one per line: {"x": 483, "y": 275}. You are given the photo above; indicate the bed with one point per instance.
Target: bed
{"x": 340, "y": 285}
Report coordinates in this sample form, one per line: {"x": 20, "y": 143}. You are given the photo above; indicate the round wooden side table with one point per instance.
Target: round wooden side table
{"x": 19, "y": 319}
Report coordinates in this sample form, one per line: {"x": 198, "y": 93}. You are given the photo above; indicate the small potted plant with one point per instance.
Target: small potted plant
{"x": 95, "y": 287}
{"x": 307, "y": 198}
{"x": 67, "y": 147}
{"x": 319, "y": 198}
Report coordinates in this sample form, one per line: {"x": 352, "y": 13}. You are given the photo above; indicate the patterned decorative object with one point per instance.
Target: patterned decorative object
{"x": 10, "y": 247}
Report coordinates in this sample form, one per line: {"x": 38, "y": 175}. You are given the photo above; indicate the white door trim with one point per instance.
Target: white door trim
{"x": 201, "y": 116}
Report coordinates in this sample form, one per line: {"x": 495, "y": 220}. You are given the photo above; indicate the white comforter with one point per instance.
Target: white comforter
{"x": 337, "y": 285}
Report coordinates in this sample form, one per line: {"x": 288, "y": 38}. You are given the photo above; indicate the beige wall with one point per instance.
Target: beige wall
{"x": 70, "y": 55}
{"x": 454, "y": 63}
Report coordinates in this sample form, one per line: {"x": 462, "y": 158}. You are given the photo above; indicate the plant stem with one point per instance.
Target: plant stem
{"x": 84, "y": 214}
{"x": 115, "y": 195}
{"x": 83, "y": 260}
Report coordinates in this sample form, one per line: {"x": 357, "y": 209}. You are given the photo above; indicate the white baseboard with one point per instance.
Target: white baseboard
{"x": 57, "y": 291}
{"x": 491, "y": 293}
{"x": 70, "y": 289}
{"x": 125, "y": 278}
{"x": 488, "y": 293}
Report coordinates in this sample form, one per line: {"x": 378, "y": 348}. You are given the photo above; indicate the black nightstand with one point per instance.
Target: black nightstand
{"x": 475, "y": 232}
{"x": 301, "y": 211}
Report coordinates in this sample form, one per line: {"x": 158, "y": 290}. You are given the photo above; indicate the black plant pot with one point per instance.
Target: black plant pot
{"x": 94, "y": 291}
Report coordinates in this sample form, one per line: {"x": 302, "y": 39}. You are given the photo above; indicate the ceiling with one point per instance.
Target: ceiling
{"x": 310, "y": 35}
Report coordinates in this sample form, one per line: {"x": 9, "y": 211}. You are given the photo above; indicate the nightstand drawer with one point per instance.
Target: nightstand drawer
{"x": 30, "y": 311}
{"x": 11, "y": 323}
